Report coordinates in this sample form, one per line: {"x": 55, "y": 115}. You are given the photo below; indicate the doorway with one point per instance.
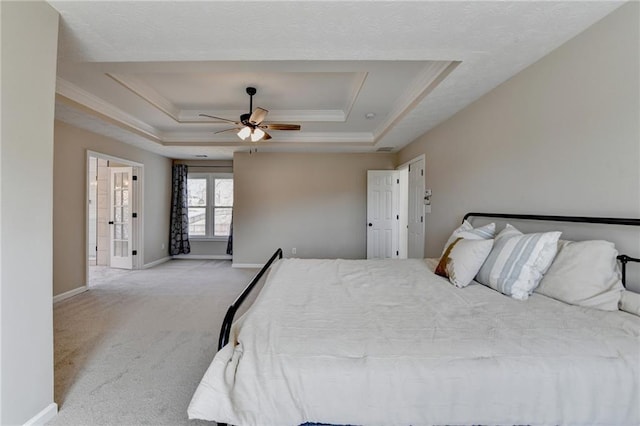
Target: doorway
{"x": 415, "y": 207}
{"x": 396, "y": 211}
{"x": 114, "y": 217}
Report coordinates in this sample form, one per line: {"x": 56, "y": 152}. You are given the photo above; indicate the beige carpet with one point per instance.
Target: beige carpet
{"x": 132, "y": 350}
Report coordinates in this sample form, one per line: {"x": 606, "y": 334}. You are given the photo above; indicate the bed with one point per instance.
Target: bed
{"x": 388, "y": 342}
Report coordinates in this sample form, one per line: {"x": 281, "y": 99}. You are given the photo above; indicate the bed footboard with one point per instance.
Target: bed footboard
{"x": 225, "y": 330}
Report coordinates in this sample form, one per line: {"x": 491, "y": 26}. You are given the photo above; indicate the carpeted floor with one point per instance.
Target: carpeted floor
{"x": 104, "y": 275}
{"x": 132, "y": 349}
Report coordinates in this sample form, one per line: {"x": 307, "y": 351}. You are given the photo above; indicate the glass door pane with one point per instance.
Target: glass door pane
{"x": 120, "y": 218}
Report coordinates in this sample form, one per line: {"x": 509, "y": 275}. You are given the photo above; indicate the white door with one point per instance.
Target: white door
{"x": 382, "y": 214}
{"x": 416, "y": 210}
{"x": 120, "y": 240}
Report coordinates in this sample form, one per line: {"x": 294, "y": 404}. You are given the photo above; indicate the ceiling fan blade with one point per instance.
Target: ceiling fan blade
{"x": 266, "y": 136}
{"x": 218, "y": 118}
{"x": 226, "y": 130}
{"x": 282, "y": 126}
{"x": 258, "y": 115}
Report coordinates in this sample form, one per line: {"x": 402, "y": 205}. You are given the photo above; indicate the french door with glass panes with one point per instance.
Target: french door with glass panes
{"x": 120, "y": 239}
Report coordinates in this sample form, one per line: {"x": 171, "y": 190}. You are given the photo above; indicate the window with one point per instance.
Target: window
{"x": 210, "y": 205}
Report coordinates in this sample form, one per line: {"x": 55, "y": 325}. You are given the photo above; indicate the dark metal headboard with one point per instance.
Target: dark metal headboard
{"x": 623, "y": 258}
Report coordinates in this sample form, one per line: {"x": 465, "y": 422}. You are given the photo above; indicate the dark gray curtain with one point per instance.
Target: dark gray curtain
{"x": 230, "y": 240}
{"x": 179, "y": 231}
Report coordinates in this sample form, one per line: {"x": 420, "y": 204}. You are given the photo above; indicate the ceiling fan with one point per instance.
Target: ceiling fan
{"x": 251, "y": 125}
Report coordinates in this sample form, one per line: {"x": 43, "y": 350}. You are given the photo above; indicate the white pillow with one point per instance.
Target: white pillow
{"x": 462, "y": 260}
{"x": 630, "y": 302}
{"x": 517, "y": 261}
{"x": 584, "y": 273}
{"x": 468, "y": 232}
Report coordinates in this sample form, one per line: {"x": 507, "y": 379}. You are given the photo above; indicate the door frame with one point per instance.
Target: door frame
{"x": 404, "y": 210}
{"x": 137, "y": 205}
{"x": 413, "y": 160}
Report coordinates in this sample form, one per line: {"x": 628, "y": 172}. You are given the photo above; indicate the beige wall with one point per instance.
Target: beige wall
{"x": 313, "y": 202}
{"x": 29, "y": 48}
{"x": 561, "y": 137}
{"x": 217, "y": 249}
{"x": 69, "y": 210}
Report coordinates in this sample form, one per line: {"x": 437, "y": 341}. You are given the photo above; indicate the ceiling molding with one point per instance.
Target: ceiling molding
{"x": 422, "y": 85}
{"x": 329, "y": 115}
{"x": 70, "y": 91}
{"x": 326, "y": 138}
{"x": 266, "y": 145}
{"x": 71, "y": 94}
{"x": 355, "y": 92}
{"x": 144, "y": 91}
{"x": 425, "y": 81}
{"x": 147, "y": 93}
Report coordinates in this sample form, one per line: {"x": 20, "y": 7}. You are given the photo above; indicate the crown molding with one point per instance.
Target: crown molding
{"x": 430, "y": 76}
{"x": 355, "y": 92}
{"x": 289, "y": 147}
{"x": 182, "y": 139}
{"x": 74, "y": 93}
{"x": 146, "y": 93}
{"x": 150, "y": 95}
{"x": 311, "y": 115}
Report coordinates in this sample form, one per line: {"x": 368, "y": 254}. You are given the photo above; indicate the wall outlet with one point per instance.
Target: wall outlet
{"x": 293, "y": 250}
{"x": 162, "y": 246}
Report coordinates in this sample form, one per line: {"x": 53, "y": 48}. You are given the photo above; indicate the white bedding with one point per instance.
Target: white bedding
{"x": 387, "y": 342}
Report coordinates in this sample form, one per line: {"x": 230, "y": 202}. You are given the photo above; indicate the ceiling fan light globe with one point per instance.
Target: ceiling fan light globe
{"x": 257, "y": 134}
{"x": 244, "y": 133}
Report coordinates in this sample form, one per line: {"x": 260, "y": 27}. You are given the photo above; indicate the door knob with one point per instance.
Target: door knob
{"x": 110, "y": 222}
{"x": 371, "y": 224}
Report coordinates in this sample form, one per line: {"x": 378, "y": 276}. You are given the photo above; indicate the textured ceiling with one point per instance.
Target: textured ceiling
{"x": 488, "y": 41}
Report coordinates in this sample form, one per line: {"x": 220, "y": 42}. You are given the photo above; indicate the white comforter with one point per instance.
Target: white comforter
{"x": 387, "y": 342}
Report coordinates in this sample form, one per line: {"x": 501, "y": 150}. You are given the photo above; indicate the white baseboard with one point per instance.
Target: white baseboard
{"x": 44, "y": 416}
{"x": 203, "y": 256}
{"x": 156, "y": 262}
{"x": 70, "y": 293}
{"x": 247, "y": 265}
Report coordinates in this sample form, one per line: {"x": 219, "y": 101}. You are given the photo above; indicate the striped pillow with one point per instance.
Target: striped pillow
{"x": 517, "y": 261}
{"x": 468, "y": 232}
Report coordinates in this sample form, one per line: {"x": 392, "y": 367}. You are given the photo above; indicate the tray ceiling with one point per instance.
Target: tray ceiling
{"x": 141, "y": 72}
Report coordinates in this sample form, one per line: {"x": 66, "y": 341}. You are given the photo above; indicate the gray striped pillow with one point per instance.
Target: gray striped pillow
{"x": 468, "y": 232}
{"x": 518, "y": 261}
